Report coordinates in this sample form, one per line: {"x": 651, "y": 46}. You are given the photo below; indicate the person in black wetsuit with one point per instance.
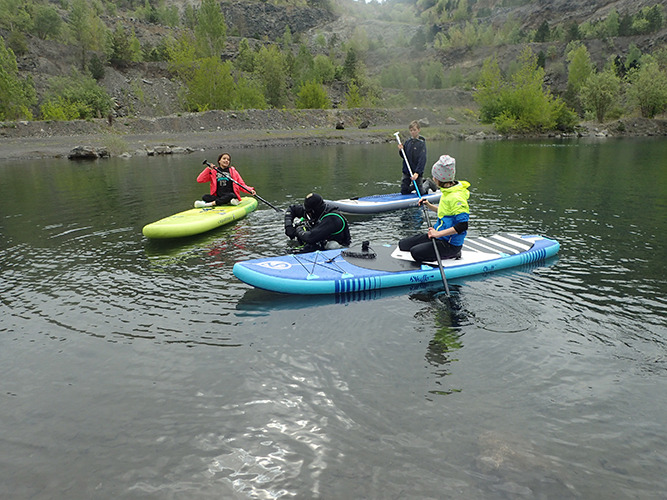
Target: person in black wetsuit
{"x": 415, "y": 151}
{"x": 316, "y": 225}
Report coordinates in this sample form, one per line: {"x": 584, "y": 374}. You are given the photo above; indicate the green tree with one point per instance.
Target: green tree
{"x": 96, "y": 67}
{"x": 156, "y": 12}
{"x": 520, "y": 104}
{"x": 59, "y": 108}
{"x": 527, "y": 102}
{"x": 249, "y": 95}
{"x": 17, "y": 42}
{"x": 648, "y": 88}
{"x": 86, "y": 28}
{"x": 287, "y": 38}
{"x": 461, "y": 13}
{"x": 303, "y": 65}
{"x": 660, "y": 57}
{"x": 418, "y": 41}
{"x": 572, "y": 32}
{"x": 209, "y": 86}
{"x": 245, "y": 61}
{"x": 542, "y": 34}
{"x": 323, "y": 69}
{"x": 181, "y": 55}
{"x": 351, "y": 65}
{"x": 633, "y": 56}
{"x": 434, "y": 75}
{"x": 189, "y": 16}
{"x": 640, "y": 25}
{"x": 625, "y": 25}
{"x": 600, "y": 93}
{"x": 47, "y": 22}
{"x": 211, "y": 30}
{"x": 580, "y": 67}
{"x": 396, "y": 76}
{"x": 155, "y": 53}
{"x": 271, "y": 69}
{"x": 353, "y": 97}
{"x": 16, "y": 95}
{"x": 123, "y": 46}
{"x": 490, "y": 87}
{"x": 612, "y": 23}
{"x": 15, "y": 15}
{"x": 654, "y": 17}
{"x": 312, "y": 95}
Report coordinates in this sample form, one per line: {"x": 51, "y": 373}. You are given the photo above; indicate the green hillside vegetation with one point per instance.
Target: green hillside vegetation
{"x": 397, "y": 48}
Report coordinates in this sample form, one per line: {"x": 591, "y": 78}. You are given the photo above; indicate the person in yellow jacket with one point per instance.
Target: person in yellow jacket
{"x": 453, "y": 214}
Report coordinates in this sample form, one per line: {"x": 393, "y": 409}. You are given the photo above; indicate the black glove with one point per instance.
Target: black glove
{"x": 290, "y": 231}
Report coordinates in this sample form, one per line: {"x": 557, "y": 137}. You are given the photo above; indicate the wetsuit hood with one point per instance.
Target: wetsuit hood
{"x": 314, "y": 206}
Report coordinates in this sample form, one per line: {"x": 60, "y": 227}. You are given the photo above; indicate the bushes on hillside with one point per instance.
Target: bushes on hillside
{"x": 520, "y": 104}
{"x": 75, "y": 97}
{"x": 648, "y": 87}
{"x": 638, "y": 84}
{"x": 312, "y": 95}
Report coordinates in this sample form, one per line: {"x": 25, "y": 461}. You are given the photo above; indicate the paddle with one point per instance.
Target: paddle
{"x": 205, "y": 162}
{"x": 428, "y": 219}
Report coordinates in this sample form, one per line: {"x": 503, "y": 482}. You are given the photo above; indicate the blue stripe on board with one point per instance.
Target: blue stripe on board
{"x": 533, "y": 256}
{"x": 352, "y": 285}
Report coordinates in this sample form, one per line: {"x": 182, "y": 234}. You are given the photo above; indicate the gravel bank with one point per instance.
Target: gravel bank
{"x": 216, "y": 130}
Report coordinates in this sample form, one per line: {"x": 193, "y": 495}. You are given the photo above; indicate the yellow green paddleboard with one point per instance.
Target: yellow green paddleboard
{"x": 198, "y": 220}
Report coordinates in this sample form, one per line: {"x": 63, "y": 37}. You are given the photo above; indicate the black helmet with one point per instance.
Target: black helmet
{"x": 314, "y": 205}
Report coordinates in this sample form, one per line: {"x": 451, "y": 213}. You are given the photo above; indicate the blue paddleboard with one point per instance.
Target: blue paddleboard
{"x": 385, "y": 266}
{"x": 381, "y": 202}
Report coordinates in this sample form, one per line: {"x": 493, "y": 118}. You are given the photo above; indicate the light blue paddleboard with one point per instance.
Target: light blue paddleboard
{"x": 385, "y": 266}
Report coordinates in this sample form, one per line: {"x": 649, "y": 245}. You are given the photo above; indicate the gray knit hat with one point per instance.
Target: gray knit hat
{"x": 444, "y": 170}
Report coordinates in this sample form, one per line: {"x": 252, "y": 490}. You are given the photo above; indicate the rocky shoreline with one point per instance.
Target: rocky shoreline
{"x": 216, "y": 130}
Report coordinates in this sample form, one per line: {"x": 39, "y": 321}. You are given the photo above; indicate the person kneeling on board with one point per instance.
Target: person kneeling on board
{"x": 451, "y": 227}
{"x": 316, "y": 226}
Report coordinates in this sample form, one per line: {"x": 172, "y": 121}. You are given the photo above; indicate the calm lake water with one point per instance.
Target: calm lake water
{"x": 139, "y": 369}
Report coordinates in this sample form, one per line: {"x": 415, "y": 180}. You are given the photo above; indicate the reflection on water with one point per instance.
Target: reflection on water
{"x": 257, "y": 301}
{"x": 449, "y": 317}
{"x": 216, "y": 245}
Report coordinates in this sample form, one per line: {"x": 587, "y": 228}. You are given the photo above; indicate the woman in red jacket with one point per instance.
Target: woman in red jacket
{"x": 223, "y": 189}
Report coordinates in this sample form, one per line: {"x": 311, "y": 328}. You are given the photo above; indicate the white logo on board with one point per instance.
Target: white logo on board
{"x": 277, "y": 265}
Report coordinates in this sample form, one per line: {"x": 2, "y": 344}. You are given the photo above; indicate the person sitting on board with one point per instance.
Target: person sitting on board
{"x": 223, "y": 188}
{"x": 415, "y": 151}
{"x": 316, "y": 226}
{"x": 453, "y": 214}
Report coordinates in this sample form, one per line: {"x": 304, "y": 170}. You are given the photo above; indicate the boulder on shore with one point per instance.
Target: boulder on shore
{"x": 88, "y": 153}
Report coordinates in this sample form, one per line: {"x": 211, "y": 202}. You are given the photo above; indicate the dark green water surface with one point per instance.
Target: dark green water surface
{"x": 139, "y": 369}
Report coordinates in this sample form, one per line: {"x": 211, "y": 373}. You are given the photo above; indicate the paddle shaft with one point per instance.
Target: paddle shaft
{"x": 242, "y": 186}
{"x": 428, "y": 219}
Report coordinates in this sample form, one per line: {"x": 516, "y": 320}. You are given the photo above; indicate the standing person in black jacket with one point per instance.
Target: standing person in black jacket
{"x": 316, "y": 226}
{"x": 415, "y": 150}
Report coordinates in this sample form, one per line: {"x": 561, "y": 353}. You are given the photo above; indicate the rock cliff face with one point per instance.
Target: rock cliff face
{"x": 260, "y": 19}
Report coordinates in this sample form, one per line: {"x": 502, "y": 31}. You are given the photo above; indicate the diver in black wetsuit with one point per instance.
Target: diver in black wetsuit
{"x": 316, "y": 225}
